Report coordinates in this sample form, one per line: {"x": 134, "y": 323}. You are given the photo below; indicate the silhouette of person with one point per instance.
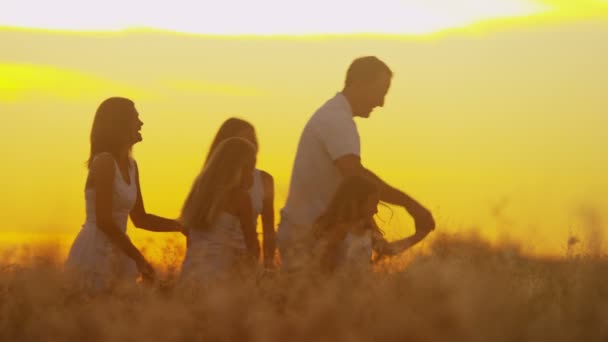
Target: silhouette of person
{"x": 218, "y": 216}
{"x": 102, "y": 253}
{"x": 262, "y": 190}
{"x": 345, "y": 236}
{"x": 329, "y": 150}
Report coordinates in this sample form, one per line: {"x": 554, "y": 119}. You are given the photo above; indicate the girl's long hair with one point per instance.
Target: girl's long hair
{"x": 220, "y": 176}
{"x": 345, "y": 205}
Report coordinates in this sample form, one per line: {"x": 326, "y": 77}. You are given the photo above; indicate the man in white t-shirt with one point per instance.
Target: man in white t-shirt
{"x": 329, "y": 150}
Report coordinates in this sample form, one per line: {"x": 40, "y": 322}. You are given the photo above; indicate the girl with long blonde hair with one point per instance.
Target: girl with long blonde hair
{"x": 217, "y": 214}
{"x": 261, "y": 191}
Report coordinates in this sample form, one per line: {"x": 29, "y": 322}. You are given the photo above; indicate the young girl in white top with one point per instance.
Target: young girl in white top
{"x": 262, "y": 190}
{"x": 218, "y": 216}
{"x": 346, "y": 235}
{"x": 102, "y": 253}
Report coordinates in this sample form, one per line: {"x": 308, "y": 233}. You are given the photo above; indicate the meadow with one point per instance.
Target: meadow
{"x": 453, "y": 288}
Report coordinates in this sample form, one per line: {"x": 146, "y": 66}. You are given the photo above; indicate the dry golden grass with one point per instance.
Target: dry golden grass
{"x": 459, "y": 289}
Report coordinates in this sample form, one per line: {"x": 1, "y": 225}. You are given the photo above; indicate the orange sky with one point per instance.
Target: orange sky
{"x": 496, "y": 124}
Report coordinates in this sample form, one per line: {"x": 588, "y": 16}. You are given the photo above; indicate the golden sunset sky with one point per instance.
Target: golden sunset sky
{"x": 496, "y": 118}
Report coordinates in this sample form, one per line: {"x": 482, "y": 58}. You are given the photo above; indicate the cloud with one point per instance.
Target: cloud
{"x": 21, "y": 81}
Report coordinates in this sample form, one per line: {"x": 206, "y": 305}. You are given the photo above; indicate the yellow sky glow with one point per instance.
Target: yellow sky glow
{"x": 501, "y": 131}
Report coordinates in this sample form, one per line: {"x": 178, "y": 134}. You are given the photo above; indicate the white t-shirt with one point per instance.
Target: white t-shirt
{"x": 330, "y": 133}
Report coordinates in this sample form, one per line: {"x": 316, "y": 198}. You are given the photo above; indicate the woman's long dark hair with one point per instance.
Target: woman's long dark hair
{"x": 111, "y": 127}
{"x": 229, "y": 129}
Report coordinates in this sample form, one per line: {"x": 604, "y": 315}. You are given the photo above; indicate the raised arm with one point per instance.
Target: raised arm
{"x": 351, "y": 165}
{"x": 385, "y": 248}
{"x": 103, "y": 172}
{"x": 268, "y": 220}
{"x": 141, "y": 219}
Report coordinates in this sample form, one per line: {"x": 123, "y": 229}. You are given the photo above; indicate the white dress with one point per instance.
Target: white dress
{"x": 355, "y": 251}
{"x": 213, "y": 253}
{"x": 92, "y": 255}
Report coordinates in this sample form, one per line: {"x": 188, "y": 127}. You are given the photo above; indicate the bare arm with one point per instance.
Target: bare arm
{"x": 385, "y": 248}
{"x": 245, "y": 215}
{"x": 141, "y": 219}
{"x": 103, "y": 173}
{"x": 350, "y": 165}
{"x": 268, "y": 220}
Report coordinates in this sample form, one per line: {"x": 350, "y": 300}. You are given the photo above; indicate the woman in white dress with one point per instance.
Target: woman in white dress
{"x": 102, "y": 253}
{"x": 218, "y": 216}
{"x": 346, "y": 235}
{"x": 262, "y": 190}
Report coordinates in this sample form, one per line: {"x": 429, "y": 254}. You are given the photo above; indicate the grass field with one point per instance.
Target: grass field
{"x": 454, "y": 289}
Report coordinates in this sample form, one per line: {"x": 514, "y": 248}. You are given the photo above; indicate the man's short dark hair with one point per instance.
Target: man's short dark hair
{"x": 366, "y": 69}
